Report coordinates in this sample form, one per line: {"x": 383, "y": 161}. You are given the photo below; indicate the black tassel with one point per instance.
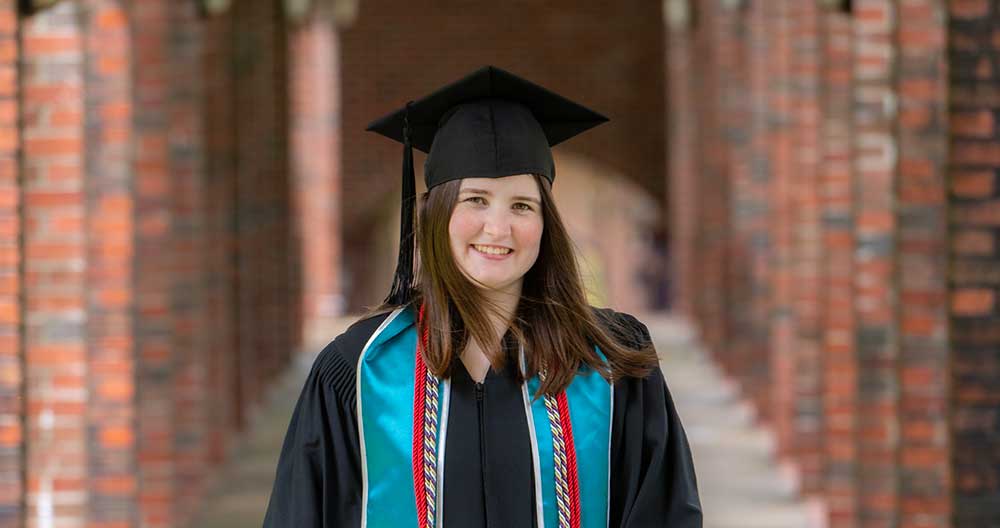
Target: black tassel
{"x": 402, "y": 282}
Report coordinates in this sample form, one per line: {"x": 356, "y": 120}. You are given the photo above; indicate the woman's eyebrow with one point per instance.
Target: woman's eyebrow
{"x": 488, "y": 193}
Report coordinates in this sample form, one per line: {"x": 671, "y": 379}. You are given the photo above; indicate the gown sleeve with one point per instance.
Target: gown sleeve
{"x": 652, "y": 471}
{"x": 318, "y": 479}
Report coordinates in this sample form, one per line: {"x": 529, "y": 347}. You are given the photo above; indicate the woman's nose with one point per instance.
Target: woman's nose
{"x": 496, "y": 224}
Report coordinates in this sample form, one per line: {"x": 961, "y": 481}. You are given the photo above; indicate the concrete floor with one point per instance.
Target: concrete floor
{"x": 739, "y": 482}
{"x": 741, "y": 486}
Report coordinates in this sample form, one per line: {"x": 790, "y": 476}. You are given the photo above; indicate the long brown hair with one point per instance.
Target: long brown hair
{"x": 553, "y": 320}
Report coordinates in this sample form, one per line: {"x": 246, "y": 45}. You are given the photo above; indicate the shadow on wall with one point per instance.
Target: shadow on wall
{"x": 611, "y": 219}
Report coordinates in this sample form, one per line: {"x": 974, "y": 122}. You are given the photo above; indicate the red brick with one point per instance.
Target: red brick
{"x": 53, "y": 146}
{"x": 982, "y": 213}
{"x": 984, "y": 69}
{"x": 111, "y": 19}
{"x": 11, "y": 435}
{"x": 973, "y": 302}
{"x": 117, "y": 485}
{"x": 116, "y": 390}
{"x": 968, "y": 8}
{"x": 55, "y": 354}
{"x": 50, "y": 44}
{"x": 974, "y": 242}
{"x": 978, "y": 124}
{"x": 8, "y": 20}
{"x": 973, "y": 184}
{"x": 117, "y": 437}
{"x": 63, "y": 117}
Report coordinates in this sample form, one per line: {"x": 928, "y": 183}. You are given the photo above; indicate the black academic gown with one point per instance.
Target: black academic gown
{"x": 488, "y": 477}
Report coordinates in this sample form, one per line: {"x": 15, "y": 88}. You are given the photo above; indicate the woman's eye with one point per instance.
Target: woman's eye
{"x": 476, "y": 199}
{"x": 522, "y": 206}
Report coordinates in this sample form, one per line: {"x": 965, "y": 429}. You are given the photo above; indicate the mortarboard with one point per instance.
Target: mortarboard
{"x": 488, "y": 124}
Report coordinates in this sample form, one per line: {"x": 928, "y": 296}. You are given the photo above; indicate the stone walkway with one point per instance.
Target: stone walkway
{"x": 740, "y": 485}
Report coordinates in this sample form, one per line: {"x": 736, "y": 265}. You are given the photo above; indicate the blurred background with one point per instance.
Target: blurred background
{"x": 799, "y": 197}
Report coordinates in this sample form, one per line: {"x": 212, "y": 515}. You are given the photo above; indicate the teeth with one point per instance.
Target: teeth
{"x": 491, "y": 250}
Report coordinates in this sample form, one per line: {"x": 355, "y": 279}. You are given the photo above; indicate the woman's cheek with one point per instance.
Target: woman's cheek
{"x": 533, "y": 232}
{"x": 460, "y": 228}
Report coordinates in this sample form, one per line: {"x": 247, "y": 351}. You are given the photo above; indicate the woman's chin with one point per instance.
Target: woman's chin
{"x": 494, "y": 283}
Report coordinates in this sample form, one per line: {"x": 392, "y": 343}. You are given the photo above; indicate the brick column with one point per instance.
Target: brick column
{"x": 683, "y": 185}
{"x": 875, "y": 281}
{"x": 974, "y": 226}
{"x": 712, "y": 227}
{"x": 730, "y": 138}
{"x": 55, "y": 298}
{"x": 11, "y": 280}
{"x": 782, "y": 315}
{"x": 112, "y": 458}
{"x": 808, "y": 279}
{"x": 922, "y": 261}
{"x": 314, "y": 67}
{"x": 155, "y": 261}
{"x": 268, "y": 317}
{"x": 184, "y": 133}
{"x": 755, "y": 214}
{"x": 840, "y": 362}
{"x": 218, "y": 115}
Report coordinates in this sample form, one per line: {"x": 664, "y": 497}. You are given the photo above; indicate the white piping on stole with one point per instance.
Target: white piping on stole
{"x": 442, "y": 443}
{"x": 535, "y": 465}
{"x": 611, "y": 421}
{"x": 361, "y": 425}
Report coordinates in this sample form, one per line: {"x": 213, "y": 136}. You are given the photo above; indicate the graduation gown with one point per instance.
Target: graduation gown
{"x": 488, "y": 479}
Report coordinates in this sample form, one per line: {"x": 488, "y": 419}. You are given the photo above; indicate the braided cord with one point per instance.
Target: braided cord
{"x": 559, "y": 458}
{"x": 564, "y": 460}
{"x": 572, "y": 477}
{"x": 426, "y": 405}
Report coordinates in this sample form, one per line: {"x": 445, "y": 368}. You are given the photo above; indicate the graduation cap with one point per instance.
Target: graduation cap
{"x": 489, "y": 124}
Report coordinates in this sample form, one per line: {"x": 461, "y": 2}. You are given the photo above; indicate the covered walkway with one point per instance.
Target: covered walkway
{"x": 188, "y": 197}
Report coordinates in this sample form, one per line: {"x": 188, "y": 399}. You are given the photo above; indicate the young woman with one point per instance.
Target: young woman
{"x": 486, "y": 392}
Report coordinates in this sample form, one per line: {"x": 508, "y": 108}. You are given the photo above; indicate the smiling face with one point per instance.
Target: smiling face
{"x": 495, "y": 230}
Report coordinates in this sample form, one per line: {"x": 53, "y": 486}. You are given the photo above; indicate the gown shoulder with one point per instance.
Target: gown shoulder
{"x": 624, "y": 327}
{"x": 318, "y": 476}
{"x": 339, "y": 359}
{"x": 653, "y": 480}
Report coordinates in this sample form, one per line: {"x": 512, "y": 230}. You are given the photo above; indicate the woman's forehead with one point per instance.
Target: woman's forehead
{"x": 519, "y": 184}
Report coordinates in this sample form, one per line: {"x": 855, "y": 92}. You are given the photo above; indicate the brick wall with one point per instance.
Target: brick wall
{"x": 219, "y": 126}
{"x": 836, "y": 166}
{"x": 155, "y": 255}
{"x": 876, "y": 231}
{"x": 681, "y": 124}
{"x": 974, "y": 229}
{"x": 781, "y": 326}
{"x": 185, "y": 147}
{"x": 922, "y": 266}
{"x": 751, "y": 198}
{"x": 111, "y": 374}
{"x": 54, "y": 244}
{"x": 267, "y": 318}
{"x": 840, "y": 362}
{"x": 150, "y": 283}
{"x": 314, "y": 54}
{"x": 12, "y": 430}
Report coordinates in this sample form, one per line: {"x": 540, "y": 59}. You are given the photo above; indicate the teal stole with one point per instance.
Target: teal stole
{"x": 385, "y": 388}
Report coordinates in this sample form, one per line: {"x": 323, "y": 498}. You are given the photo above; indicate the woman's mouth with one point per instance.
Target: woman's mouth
{"x": 492, "y": 252}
